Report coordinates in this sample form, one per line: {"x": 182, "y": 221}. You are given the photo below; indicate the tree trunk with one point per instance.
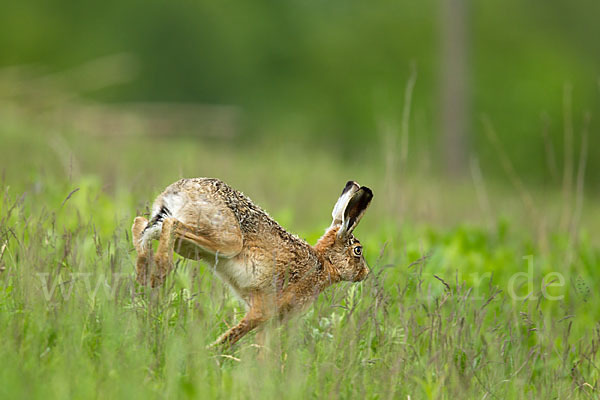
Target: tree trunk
{"x": 454, "y": 86}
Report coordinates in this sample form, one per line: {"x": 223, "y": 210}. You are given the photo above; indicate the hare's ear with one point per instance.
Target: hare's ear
{"x": 338, "y": 210}
{"x": 354, "y": 210}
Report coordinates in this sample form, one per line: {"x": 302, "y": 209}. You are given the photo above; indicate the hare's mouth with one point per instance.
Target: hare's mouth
{"x": 362, "y": 276}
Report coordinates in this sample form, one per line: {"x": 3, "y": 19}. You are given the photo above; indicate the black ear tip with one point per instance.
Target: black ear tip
{"x": 368, "y": 191}
{"x": 349, "y": 185}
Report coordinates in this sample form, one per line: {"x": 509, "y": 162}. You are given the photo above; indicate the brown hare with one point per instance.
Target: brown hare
{"x": 271, "y": 270}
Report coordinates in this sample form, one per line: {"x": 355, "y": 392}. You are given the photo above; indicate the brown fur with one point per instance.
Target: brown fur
{"x": 271, "y": 270}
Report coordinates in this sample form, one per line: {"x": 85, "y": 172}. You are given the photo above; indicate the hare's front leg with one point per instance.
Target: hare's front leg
{"x": 143, "y": 254}
{"x": 256, "y": 315}
{"x": 237, "y": 332}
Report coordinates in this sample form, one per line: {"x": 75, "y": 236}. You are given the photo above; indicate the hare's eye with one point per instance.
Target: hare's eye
{"x": 357, "y": 250}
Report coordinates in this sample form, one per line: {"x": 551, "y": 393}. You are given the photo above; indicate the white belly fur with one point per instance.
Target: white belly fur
{"x": 242, "y": 277}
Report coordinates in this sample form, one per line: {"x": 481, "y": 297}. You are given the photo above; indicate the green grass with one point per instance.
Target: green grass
{"x": 436, "y": 319}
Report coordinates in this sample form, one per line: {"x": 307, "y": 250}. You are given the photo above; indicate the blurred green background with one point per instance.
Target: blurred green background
{"x": 333, "y": 75}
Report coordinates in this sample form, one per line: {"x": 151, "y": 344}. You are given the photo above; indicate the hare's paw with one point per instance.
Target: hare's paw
{"x": 157, "y": 280}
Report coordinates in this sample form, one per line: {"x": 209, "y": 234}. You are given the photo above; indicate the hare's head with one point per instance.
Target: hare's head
{"x": 338, "y": 246}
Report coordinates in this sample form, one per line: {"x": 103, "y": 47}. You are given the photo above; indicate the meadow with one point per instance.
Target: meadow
{"x": 479, "y": 288}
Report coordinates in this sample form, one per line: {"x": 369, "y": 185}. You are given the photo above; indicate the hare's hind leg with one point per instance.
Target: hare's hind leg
{"x": 163, "y": 259}
{"x": 226, "y": 242}
{"x": 143, "y": 254}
